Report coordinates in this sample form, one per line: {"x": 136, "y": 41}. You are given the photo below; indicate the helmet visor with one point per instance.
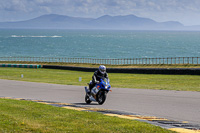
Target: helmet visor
{"x": 103, "y": 70}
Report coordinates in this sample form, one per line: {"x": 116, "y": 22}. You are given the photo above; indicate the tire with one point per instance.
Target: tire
{"x": 87, "y": 99}
{"x": 101, "y": 97}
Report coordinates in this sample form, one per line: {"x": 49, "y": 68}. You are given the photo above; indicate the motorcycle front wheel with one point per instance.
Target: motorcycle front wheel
{"x": 87, "y": 99}
{"x": 101, "y": 97}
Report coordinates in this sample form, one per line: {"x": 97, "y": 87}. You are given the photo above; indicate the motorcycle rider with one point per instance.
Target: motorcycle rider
{"x": 101, "y": 72}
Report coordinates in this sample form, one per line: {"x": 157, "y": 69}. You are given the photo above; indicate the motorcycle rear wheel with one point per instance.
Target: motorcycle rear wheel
{"x": 87, "y": 99}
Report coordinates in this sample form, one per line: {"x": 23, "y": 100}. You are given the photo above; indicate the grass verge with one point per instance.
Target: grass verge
{"x": 140, "y": 81}
{"x": 109, "y": 66}
{"x": 27, "y": 116}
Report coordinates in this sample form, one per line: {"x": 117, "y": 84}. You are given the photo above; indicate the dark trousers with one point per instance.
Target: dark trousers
{"x": 91, "y": 85}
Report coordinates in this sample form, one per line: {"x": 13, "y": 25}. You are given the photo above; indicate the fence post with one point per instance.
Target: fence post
{"x": 175, "y": 60}
{"x": 192, "y": 60}
{"x": 167, "y": 60}
{"x": 179, "y": 58}
{"x": 171, "y": 61}
{"x": 156, "y": 61}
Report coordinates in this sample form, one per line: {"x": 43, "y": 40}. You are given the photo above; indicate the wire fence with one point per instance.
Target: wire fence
{"x": 126, "y": 61}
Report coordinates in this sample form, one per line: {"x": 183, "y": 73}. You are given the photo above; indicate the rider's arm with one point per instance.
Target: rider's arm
{"x": 94, "y": 77}
{"x": 106, "y": 75}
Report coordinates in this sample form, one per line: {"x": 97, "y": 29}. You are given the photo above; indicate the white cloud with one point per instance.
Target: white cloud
{"x": 160, "y": 10}
{"x": 13, "y": 5}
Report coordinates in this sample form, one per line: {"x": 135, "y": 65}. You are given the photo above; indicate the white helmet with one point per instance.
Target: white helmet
{"x": 102, "y": 69}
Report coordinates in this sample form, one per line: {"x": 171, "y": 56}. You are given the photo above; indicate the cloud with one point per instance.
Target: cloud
{"x": 13, "y": 5}
{"x": 155, "y": 9}
{"x": 100, "y": 6}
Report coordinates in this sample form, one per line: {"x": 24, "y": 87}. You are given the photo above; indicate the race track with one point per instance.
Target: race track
{"x": 175, "y": 105}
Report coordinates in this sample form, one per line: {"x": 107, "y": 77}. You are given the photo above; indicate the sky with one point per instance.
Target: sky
{"x": 186, "y": 12}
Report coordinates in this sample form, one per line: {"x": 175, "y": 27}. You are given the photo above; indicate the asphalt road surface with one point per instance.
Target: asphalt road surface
{"x": 173, "y": 105}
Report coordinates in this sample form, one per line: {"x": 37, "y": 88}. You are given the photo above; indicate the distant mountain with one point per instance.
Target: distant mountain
{"x": 128, "y": 22}
{"x": 51, "y": 21}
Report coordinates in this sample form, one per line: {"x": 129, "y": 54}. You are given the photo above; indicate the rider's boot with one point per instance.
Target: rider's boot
{"x": 90, "y": 88}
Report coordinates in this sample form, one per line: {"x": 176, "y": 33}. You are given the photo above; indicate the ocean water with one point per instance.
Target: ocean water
{"x": 99, "y": 43}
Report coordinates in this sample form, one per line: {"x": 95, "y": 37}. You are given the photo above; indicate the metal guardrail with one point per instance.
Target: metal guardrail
{"x": 127, "y": 61}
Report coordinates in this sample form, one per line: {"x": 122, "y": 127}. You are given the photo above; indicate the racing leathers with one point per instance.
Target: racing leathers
{"x": 96, "y": 78}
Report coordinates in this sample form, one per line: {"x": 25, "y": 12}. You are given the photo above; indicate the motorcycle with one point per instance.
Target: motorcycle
{"x": 98, "y": 92}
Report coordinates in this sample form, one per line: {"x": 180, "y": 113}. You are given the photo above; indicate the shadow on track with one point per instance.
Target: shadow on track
{"x": 85, "y": 104}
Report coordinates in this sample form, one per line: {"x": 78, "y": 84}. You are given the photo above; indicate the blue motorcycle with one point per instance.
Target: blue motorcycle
{"x": 98, "y": 92}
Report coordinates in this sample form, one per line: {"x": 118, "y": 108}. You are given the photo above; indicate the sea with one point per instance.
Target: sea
{"x": 100, "y": 44}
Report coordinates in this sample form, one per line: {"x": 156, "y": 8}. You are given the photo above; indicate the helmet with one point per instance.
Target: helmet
{"x": 102, "y": 69}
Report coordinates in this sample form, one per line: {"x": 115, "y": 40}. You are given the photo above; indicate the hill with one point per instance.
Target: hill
{"x": 128, "y": 22}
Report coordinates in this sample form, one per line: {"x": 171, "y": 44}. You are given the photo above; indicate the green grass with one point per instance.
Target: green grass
{"x": 27, "y": 116}
{"x": 140, "y": 81}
